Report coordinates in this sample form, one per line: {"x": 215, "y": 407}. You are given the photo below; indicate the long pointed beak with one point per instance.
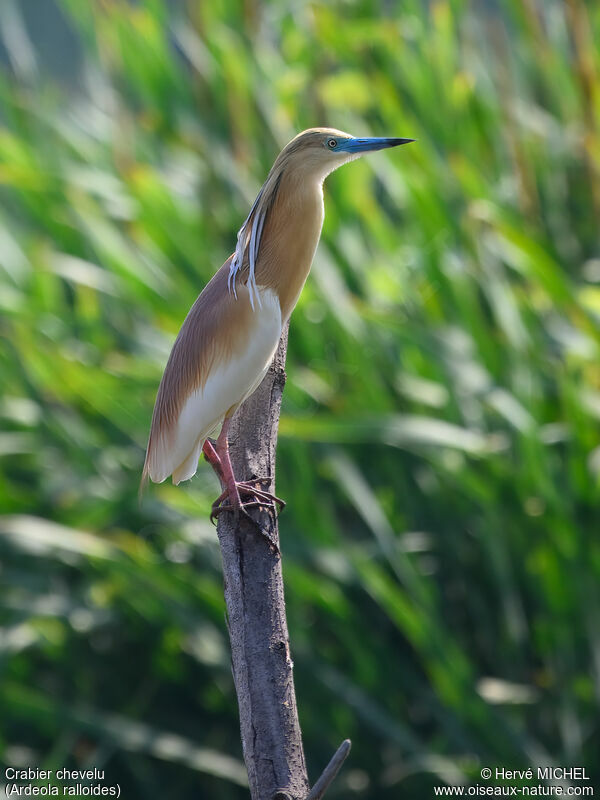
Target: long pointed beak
{"x": 366, "y": 145}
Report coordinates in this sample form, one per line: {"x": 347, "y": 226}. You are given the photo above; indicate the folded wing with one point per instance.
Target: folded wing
{"x": 220, "y": 356}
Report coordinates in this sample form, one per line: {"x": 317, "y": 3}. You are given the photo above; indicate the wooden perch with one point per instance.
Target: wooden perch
{"x": 262, "y": 665}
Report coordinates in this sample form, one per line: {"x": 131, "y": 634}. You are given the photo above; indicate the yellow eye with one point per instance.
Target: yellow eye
{"x": 332, "y": 143}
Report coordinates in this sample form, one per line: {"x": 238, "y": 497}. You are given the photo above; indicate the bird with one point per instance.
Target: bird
{"x": 230, "y": 335}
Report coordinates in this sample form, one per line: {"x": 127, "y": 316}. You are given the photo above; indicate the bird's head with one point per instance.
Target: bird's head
{"x": 318, "y": 151}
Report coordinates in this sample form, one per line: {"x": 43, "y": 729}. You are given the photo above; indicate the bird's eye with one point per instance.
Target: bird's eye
{"x": 332, "y": 144}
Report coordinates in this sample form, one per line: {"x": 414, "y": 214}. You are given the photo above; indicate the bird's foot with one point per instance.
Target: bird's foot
{"x": 257, "y": 498}
{"x": 247, "y": 487}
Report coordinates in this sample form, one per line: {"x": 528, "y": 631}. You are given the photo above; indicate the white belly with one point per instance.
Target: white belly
{"x": 227, "y": 385}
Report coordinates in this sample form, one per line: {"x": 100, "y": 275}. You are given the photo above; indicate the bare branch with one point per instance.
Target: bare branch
{"x": 330, "y": 771}
{"x": 261, "y": 660}
{"x": 260, "y": 650}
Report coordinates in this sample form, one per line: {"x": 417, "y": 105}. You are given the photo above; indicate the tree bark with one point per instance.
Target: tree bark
{"x": 261, "y": 660}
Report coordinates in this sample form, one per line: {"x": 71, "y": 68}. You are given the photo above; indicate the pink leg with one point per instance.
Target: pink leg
{"x": 228, "y": 478}
{"x": 210, "y": 454}
{"x": 233, "y": 490}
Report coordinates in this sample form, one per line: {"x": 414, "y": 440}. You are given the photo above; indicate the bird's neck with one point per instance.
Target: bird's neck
{"x": 291, "y": 235}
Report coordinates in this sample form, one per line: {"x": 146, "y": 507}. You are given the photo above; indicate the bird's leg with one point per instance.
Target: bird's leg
{"x": 233, "y": 490}
{"x": 210, "y": 454}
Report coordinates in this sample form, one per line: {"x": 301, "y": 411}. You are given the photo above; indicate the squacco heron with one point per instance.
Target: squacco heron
{"x": 230, "y": 335}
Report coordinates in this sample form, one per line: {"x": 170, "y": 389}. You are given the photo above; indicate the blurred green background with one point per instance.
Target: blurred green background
{"x": 439, "y": 445}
